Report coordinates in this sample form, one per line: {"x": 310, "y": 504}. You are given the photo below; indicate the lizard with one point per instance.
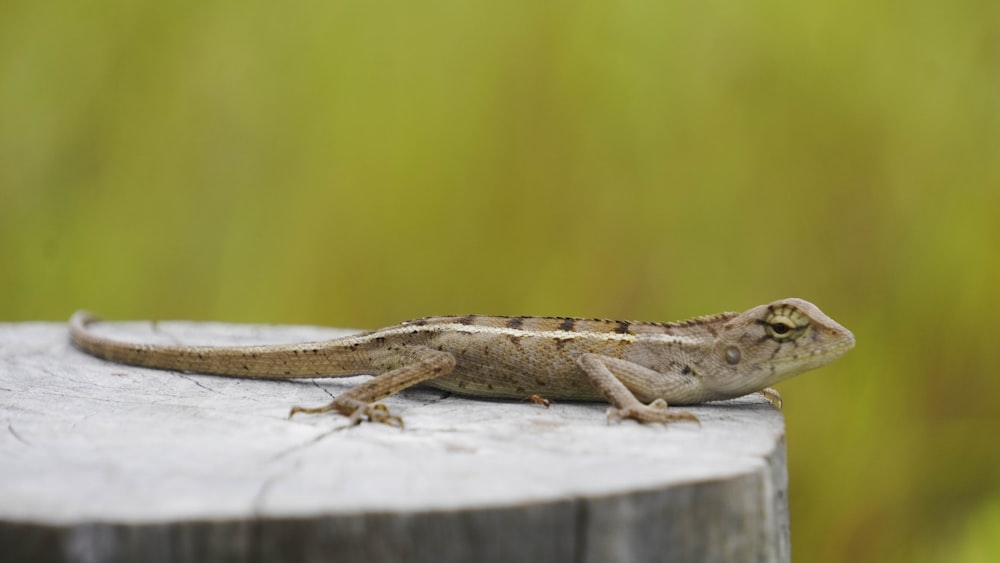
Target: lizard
{"x": 637, "y": 367}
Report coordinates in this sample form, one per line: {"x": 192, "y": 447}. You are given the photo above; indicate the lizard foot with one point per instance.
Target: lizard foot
{"x": 539, "y": 400}
{"x": 376, "y": 412}
{"x": 653, "y": 412}
{"x": 772, "y": 396}
{"x": 355, "y": 411}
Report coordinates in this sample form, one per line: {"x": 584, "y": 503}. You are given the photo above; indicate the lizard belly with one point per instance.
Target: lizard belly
{"x": 500, "y": 383}
{"x": 517, "y": 368}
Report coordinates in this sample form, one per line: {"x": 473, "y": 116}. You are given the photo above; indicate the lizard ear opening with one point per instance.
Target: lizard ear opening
{"x": 733, "y": 355}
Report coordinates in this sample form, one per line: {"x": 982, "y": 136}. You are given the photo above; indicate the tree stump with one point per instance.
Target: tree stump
{"x": 105, "y": 462}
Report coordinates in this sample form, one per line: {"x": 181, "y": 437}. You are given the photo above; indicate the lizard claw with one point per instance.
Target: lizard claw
{"x": 655, "y": 411}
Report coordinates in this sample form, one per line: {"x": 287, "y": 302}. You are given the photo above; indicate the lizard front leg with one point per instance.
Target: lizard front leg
{"x": 362, "y": 401}
{"x": 615, "y": 377}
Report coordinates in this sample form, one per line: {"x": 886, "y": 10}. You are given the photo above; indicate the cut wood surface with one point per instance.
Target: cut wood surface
{"x": 105, "y": 462}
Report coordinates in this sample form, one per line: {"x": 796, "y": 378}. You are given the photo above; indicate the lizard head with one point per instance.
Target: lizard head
{"x": 773, "y": 342}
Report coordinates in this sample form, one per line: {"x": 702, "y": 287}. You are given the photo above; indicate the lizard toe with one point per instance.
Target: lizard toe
{"x": 772, "y": 396}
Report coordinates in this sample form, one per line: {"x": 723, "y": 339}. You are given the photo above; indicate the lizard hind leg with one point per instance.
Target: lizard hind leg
{"x": 361, "y": 402}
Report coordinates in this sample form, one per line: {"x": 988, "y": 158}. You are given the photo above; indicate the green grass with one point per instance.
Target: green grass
{"x": 358, "y": 163}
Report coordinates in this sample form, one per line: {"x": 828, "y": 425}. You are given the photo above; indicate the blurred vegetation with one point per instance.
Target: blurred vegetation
{"x": 358, "y": 163}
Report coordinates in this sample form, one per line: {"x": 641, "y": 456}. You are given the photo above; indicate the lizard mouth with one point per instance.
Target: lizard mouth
{"x": 825, "y": 354}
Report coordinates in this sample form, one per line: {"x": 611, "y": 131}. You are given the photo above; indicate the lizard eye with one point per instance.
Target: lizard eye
{"x": 780, "y": 328}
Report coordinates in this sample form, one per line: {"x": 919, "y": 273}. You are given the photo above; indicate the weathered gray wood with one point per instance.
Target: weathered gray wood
{"x": 103, "y": 462}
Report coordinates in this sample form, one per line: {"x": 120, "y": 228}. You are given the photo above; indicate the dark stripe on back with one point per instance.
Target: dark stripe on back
{"x": 567, "y": 324}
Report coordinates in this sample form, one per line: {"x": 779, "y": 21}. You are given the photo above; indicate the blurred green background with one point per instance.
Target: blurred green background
{"x": 359, "y": 163}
